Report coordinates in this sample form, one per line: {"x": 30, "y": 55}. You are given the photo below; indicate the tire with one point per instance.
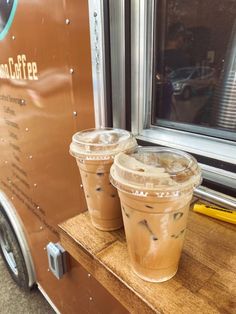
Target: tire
{"x": 187, "y": 93}
{"x": 12, "y": 254}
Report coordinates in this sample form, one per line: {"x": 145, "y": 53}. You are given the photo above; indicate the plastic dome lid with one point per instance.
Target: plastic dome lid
{"x": 158, "y": 171}
{"x": 105, "y": 143}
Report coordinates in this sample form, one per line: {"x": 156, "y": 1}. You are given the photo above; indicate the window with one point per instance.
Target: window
{"x": 183, "y": 77}
{"x": 195, "y": 82}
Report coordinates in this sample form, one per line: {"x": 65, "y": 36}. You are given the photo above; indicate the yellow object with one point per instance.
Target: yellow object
{"x": 216, "y": 212}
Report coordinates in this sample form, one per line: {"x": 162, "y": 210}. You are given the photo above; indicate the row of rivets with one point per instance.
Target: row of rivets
{"x": 67, "y": 21}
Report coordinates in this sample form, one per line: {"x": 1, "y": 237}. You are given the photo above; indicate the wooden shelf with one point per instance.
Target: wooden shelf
{"x": 204, "y": 283}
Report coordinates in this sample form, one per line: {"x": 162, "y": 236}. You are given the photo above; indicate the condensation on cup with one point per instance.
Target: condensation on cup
{"x": 155, "y": 187}
{"x": 94, "y": 150}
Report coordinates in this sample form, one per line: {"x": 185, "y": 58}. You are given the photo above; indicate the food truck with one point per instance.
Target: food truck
{"x": 164, "y": 70}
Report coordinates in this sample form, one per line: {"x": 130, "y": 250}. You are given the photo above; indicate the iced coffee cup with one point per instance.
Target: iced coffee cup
{"x": 94, "y": 151}
{"x": 155, "y": 187}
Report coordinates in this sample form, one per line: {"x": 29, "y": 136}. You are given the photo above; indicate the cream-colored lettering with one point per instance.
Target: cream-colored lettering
{"x": 19, "y": 76}
{"x": 35, "y": 70}
{"x": 6, "y": 71}
{"x": 17, "y": 71}
{"x": 23, "y": 58}
{"x": 11, "y": 62}
{"x": 29, "y": 67}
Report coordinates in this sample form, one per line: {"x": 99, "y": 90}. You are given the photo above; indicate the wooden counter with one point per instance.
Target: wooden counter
{"x": 205, "y": 282}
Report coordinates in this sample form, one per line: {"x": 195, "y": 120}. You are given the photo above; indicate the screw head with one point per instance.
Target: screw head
{"x": 74, "y": 113}
{"x": 71, "y": 71}
{"x": 95, "y": 14}
{"x": 67, "y": 21}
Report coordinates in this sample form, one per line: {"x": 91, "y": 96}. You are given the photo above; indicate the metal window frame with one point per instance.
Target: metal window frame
{"x": 142, "y": 51}
{"x": 100, "y": 61}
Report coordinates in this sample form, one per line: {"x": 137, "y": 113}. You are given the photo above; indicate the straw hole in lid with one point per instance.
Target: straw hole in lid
{"x": 140, "y": 170}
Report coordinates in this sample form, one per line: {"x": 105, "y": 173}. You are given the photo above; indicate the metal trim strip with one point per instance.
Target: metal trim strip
{"x": 48, "y": 299}
{"x": 97, "y": 41}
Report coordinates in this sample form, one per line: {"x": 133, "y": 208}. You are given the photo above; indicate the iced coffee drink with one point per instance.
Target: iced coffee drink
{"x": 155, "y": 186}
{"x": 94, "y": 151}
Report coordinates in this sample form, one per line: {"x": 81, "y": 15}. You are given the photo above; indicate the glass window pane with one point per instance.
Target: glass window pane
{"x": 195, "y": 66}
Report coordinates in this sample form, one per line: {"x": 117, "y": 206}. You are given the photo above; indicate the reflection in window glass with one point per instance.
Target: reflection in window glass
{"x": 195, "y": 65}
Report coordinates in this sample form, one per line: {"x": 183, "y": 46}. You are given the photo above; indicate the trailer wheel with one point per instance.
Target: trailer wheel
{"x": 12, "y": 254}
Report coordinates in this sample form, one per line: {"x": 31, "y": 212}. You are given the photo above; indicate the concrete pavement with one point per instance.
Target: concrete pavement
{"x": 15, "y": 301}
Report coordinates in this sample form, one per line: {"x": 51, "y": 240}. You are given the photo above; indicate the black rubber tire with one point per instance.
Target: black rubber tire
{"x": 22, "y": 278}
{"x": 187, "y": 93}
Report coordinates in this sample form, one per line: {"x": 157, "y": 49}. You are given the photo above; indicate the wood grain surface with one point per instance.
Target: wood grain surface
{"x": 204, "y": 283}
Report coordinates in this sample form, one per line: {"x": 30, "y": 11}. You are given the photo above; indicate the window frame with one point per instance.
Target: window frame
{"x": 209, "y": 147}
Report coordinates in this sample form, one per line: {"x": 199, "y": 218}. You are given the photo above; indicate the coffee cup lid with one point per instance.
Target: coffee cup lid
{"x": 159, "y": 171}
{"x": 100, "y": 144}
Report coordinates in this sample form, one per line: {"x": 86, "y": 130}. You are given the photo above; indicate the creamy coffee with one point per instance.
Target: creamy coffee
{"x": 155, "y": 187}
{"x": 94, "y": 151}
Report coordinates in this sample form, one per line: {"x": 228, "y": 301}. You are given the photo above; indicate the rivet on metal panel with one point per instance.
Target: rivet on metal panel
{"x": 27, "y": 129}
{"x": 41, "y": 227}
{"x": 90, "y": 299}
{"x": 74, "y": 113}
{"x": 48, "y": 269}
{"x": 71, "y": 71}
{"x": 95, "y": 14}
{"x": 22, "y": 101}
{"x": 89, "y": 275}
{"x": 38, "y": 207}
{"x": 35, "y": 185}
{"x": 30, "y": 156}
{"x": 67, "y": 21}
{"x": 81, "y": 185}
{"x": 13, "y": 37}
{"x": 44, "y": 248}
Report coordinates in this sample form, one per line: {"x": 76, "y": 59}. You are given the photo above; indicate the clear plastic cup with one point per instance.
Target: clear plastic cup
{"x": 155, "y": 186}
{"x": 94, "y": 150}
